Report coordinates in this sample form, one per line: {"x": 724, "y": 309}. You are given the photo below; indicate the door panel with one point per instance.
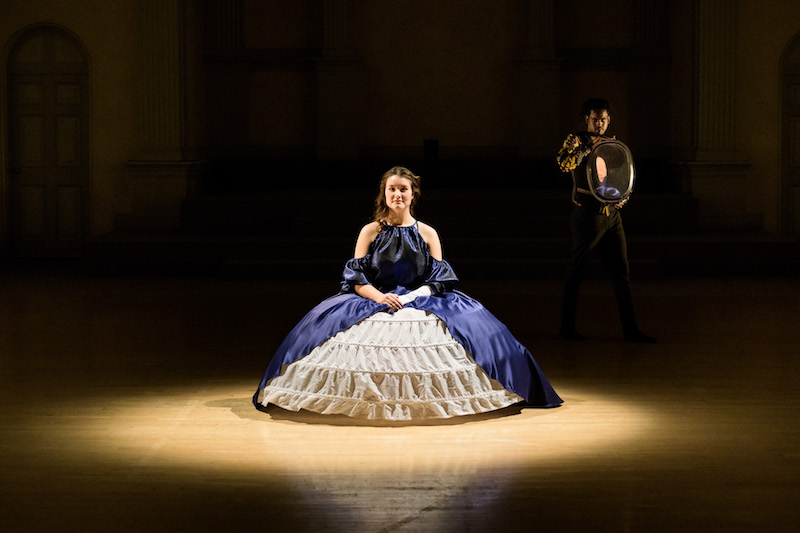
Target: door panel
{"x": 68, "y": 94}
{"x": 32, "y": 219}
{"x": 49, "y": 133}
{"x": 68, "y": 141}
{"x": 31, "y": 93}
{"x": 69, "y": 213}
{"x": 31, "y": 140}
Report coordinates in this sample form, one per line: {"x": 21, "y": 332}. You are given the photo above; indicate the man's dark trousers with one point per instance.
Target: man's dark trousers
{"x": 593, "y": 229}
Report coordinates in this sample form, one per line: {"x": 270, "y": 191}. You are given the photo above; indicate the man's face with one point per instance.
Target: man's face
{"x": 597, "y": 122}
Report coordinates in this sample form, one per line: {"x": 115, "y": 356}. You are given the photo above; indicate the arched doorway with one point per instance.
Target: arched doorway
{"x": 48, "y": 117}
{"x": 790, "y": 139}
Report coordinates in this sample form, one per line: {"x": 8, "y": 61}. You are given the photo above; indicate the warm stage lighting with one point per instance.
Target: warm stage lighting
{"x": 219, "y": 429}
{"x": 189, "y": 446}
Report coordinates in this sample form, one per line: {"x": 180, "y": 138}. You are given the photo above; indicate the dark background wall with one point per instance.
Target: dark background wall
{"x": 203, "y": 99}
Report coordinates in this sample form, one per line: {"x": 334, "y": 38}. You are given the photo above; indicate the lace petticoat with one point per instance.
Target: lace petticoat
{"x": 400, "y": 366}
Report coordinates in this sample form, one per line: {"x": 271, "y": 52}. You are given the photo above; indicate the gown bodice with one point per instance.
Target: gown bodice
{"x": 398, "y": 258}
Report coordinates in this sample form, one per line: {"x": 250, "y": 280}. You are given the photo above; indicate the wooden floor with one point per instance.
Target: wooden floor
{"x": 125, "y": 406}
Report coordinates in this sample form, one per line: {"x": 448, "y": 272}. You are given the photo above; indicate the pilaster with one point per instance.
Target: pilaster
{"x": 224, "y": 24}
{"x": 338, "y": 85}
{"x": 540, "y": 84}
{"x": 715, "y": 66}
{"x": 718, "y": 176}
{"x": 161, "y": 116}
{"x": 650, "y": 35}
{"x": 160, "y": 174}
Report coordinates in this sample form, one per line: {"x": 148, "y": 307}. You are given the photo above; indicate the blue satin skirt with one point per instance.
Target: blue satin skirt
{"x": 488, "y": 340}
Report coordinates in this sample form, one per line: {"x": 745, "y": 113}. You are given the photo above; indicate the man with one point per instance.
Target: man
{"x": 595, "y": 226}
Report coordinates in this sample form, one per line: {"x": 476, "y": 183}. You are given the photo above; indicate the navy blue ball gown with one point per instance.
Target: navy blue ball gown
{"x": 439, "y": 356}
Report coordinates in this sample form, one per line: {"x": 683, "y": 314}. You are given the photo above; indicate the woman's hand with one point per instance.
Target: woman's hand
{"x": 390, "y": 299}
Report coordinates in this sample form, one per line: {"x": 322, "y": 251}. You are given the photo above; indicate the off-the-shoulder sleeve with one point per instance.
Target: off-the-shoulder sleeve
{"x": 441, "y": 277}
{"x": 356, "y": 272}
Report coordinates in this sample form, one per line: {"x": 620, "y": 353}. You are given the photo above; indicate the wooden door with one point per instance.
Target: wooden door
{"x": 49, "y": 144}
{"x": 790, "y": 168}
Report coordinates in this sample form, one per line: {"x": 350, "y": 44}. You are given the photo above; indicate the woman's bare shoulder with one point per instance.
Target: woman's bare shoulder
{"x": 369, "y": 230}
{"x": 427, "y": 231}
{"x": 365, "y": 238}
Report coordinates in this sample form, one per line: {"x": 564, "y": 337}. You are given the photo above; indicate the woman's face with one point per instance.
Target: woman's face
{"x": 398, "y": 193}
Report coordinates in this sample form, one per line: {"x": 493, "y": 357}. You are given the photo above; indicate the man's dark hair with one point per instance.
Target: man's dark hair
{"x": 595, "y": 104}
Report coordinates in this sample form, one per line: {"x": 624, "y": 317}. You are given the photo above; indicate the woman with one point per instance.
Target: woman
{"x": 398, "y": 342}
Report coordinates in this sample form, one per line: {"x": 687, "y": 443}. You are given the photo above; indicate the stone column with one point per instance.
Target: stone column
{"x": 160, "y": 174}
{"x": 717, "y": 175}
{"x": 648, "y": 79}
{"x": 540, "y": 84}
{"x": 162, "y": 105}
{"x": 715, "y": 64}
{"x": 224, "y": 24}
{"x": 649, "y": 27}
{"x": 338, "y": 86}
{"x": 334, "y": 27}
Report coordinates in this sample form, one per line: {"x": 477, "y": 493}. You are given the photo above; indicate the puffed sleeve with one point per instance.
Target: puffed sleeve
{"x": 570, "y": 156}
{"x": 441, "y": 276}
{"x": 356, "y": 272}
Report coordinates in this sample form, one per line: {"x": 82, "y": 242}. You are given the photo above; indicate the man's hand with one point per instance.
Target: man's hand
{"x": 595, "y": 139}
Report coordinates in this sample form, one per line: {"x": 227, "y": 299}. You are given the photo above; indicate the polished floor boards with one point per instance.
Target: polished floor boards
{"x": 125, "y": 406}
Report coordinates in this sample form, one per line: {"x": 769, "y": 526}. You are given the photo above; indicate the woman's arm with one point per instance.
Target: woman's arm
{"x": 365, "y": 238}
{"x": 440, "y": 277}
{"x": 431, "y": 237}
{"x": 370, "y": 292}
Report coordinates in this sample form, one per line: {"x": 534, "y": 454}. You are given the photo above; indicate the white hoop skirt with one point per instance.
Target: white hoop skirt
{"x": 400, "y": 366}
